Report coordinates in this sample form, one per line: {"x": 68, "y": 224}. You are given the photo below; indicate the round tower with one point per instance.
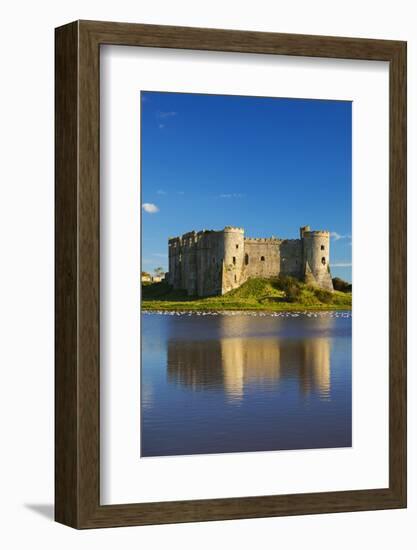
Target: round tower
{"x": 316, "y": 249}
{"x": 233, "y": 256}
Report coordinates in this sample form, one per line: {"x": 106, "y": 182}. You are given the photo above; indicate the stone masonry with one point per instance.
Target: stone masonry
{"x": 210, "y": 263}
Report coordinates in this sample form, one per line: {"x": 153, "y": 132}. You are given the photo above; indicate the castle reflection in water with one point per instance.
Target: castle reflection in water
{"x": 238, "y": 363}
{"x": 243, "y": 382}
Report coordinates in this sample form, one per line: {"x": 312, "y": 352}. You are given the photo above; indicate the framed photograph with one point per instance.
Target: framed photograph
{"x": 230, "y": 274}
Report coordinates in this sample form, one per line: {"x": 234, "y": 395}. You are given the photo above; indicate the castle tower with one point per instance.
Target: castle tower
{"x": 233, "y": 256}
{"x": 316, "y": 257}
{"x": 175, "y": 258}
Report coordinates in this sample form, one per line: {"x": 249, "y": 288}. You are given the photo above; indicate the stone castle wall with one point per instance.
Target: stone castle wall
{"x": 195, "y": 262}
{"x": 211, "y": 263}
{"x": 262, "y": 258}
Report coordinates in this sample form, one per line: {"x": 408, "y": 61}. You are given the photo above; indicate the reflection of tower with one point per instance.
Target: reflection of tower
{"x": 248, "y": 361}
{"x": 232, "y": 360}
{"x": 317, "y": 365}
{"x": 316, "y": 252}
{"x": 195, "y": 364}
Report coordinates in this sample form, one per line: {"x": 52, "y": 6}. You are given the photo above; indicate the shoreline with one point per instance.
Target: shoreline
{"x": 228, "y": 311}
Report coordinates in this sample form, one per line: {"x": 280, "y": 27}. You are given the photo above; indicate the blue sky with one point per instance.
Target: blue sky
{"x": 269, "y": 165}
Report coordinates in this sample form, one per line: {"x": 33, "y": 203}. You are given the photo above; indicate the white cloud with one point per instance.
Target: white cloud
{"x": 165, "y": 114}
{"x": 159, "y": 255}
{"x": 337, "y": 236}
{"x": 341, "y": 264}
{"x": 231, "y": 195}
{"x": 161, "y": 192}
{"x": 150, "y": 208}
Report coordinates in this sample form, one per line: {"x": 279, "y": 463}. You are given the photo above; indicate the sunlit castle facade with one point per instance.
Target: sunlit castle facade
{"x": 210, "y": 263}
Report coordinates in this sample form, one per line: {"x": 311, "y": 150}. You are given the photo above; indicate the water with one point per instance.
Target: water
{"x": 240, "y": 382}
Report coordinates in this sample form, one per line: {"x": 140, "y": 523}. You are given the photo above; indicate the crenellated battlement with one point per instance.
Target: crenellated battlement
{"x": 260, "y": 240}
{"x": 231, "y": 229}
{"x": 317, "y": 233}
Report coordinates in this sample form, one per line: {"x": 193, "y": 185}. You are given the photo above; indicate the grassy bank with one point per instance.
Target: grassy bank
{"x": 281, "y": 294}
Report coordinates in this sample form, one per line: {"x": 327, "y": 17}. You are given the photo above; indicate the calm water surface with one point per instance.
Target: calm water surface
{"x": 239, "y": 382}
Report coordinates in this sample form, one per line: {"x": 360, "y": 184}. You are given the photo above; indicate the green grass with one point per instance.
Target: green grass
{"x": 281, "y": 294}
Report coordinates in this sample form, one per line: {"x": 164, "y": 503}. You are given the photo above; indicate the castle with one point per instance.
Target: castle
{"x": 210, "y": 263}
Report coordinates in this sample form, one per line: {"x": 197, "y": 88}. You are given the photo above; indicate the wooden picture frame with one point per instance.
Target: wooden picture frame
{"x": 77, "y": 382}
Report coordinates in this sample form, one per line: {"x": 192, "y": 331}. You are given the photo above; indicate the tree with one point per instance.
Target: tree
{"x": 341, "y": 285}
{"x": 159, "y": 272}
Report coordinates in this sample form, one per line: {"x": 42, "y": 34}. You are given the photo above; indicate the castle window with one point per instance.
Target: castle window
{"x": 262, "y": 258}
{"x": 234, "y": 260}
{"x": 214, "y": 259}
{"x": 246, "y": 259}
{"x": 237, "y": 246}
{"x": 323, "y": 261}
{"x": 235, "y": 279}
{"x": 322, "y": 247}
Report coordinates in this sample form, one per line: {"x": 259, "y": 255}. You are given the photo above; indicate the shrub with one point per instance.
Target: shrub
{"x": 293, "y": 293}
{"x": 283, "y": 282}
{"x": 324, "y": 296}
{"x": 341, "y": 285}
{"x": 309, "y": 298}
{"x": 153, "y": 291}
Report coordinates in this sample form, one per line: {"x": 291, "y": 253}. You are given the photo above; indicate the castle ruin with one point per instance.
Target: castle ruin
{"x": 210, "y": 263}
